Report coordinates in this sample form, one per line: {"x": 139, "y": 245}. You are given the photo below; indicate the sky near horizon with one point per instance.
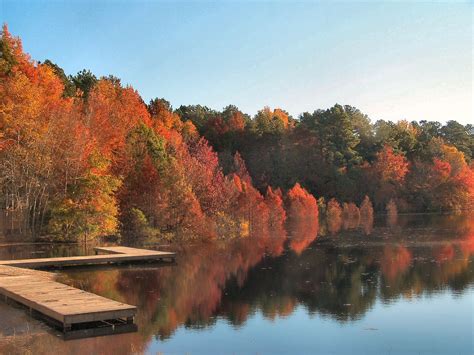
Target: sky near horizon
{"x": 392, "y": 60}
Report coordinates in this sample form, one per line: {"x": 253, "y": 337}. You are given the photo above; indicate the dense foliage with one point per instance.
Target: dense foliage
{"x": 82, "y": 157}
{"x": 339, "y": 153}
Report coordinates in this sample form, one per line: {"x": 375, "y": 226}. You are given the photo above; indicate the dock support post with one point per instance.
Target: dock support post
{"x": 66, "y": 327}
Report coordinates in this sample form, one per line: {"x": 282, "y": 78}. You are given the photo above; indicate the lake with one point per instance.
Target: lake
{"x": 397, "y": 287}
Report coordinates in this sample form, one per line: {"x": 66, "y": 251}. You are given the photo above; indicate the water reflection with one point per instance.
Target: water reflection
{"x": 337, "y": 277}
{"x": 40, "y": 250}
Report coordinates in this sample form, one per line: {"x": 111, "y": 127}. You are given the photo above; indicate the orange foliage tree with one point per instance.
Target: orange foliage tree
{"x": 40, "y": 154}
{"x": 302, "y": 212}
{"x": 389, "y": 170}
{"x": 445, "y": 184}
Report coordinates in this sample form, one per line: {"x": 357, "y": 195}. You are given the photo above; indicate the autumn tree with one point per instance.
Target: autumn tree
{"x": 206, "y": 177}
{"x": 268, "y": 121}
{"x": 90, "y": 209}
{"x": 389, "y": 171}
{"x": 249, "y": 209}
{"x": 302, "y": 212}
{"x": 445, "y": 184}
{"x": 274, "y": 201}
{"x": 111, "y": 112}
{"x": 367, "y": 215}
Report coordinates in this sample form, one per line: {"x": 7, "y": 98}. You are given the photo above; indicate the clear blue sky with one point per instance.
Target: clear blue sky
{"x": 392, "y": 60}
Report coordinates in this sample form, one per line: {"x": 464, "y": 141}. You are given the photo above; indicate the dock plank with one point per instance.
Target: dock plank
{"x": 114, "y": 255}
{"x": 75, "y": 307}
{"x": 130, "y": 251}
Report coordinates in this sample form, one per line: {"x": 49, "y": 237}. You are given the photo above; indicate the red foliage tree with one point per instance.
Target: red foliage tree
{"x": 276, "y": 220}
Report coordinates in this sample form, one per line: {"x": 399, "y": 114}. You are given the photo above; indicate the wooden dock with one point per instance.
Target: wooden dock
{"x": 68, "y": 308}
{"x": 113, "y": 255}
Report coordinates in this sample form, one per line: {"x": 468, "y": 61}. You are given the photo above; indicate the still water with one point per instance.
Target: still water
{"x": 394, "y": 288}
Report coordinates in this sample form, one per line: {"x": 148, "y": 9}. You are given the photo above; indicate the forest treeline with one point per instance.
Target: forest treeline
{"x": 82, "y": 157}
{"x": 339, "y": 153}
